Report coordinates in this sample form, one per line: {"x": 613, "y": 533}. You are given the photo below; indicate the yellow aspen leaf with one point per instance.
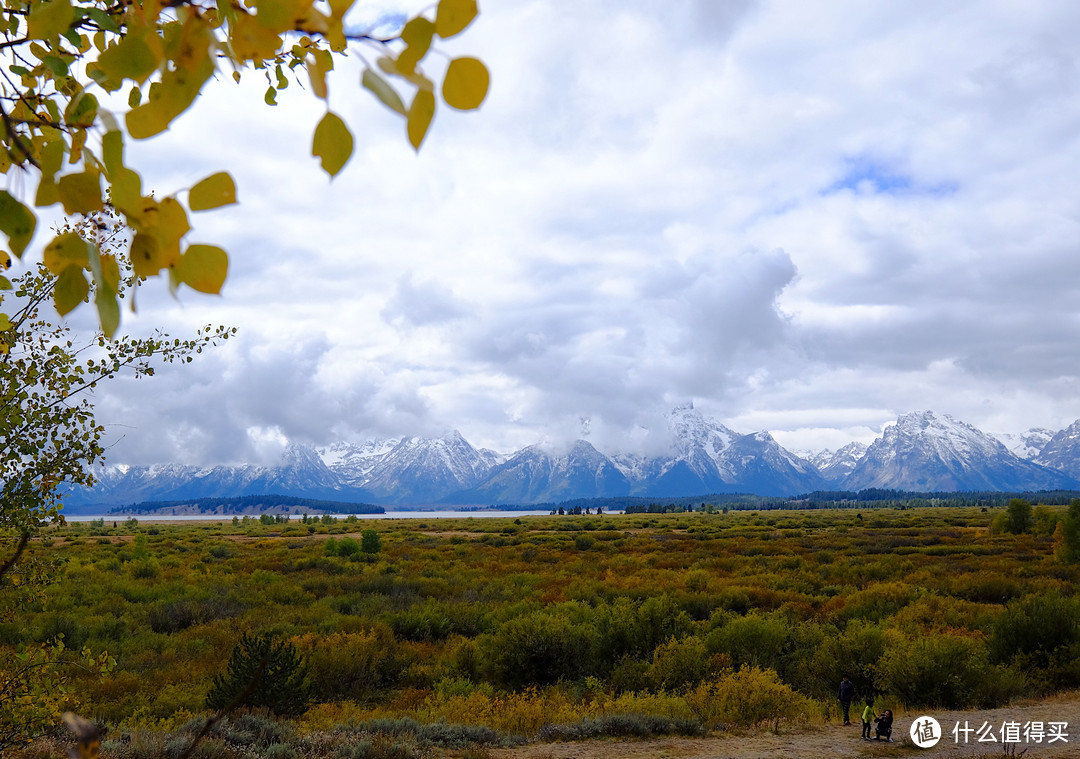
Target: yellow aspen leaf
{"x": 335, "y": 28}
{"x": 417, "y": 36}
{"x": 187, "y": 44}
{"x": 315, "y": 22}
{"x": 144, "y": 255}
{"x": 389, "y": 66}
{"x": 104, "y": 267}
{"x": 281, "y": 15}
{"x": 213, "y": 192}
{"x": 112, "y": 151}
{"x": 110, "y": 271}
{"x": 126, "y": 191}
{"x": 421, "y": 112}
{"x": 169, "y": 98}
{"x": 318, "y": 64}
{"x": 50, "y": 156}
{"x": 66, "y": 251}
{"x": 251, "y": 40}
{"x": 383, "y": 91}
{"x": 5, "y": 260}
{"x": 171, "y": 225}
{"x": 147, "y": 120}
{"x": 5, "y": 322}
{"x": 453, "y": 16}
{"x": 203, "y": 268}
{"x": 5, "y": 283}
{"x": 332, "y": 143}
{"x": 78, "y": 142}
{"x": 71, "y": 290}
{"x": 17, "y": 222}
{"x": 466, "y": 84}
{"x": 49, "y": 19}
{"x": 81, "y": 193}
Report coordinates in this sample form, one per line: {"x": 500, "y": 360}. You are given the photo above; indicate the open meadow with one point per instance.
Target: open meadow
{"x": 485, "y": 637}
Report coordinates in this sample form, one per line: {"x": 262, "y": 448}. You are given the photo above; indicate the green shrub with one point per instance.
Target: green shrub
{"x": 351, "y": 665}
{"x": 935, "y": 670}
{"x": 538, "y": 649}
{"x": 755, "y": 640}
{"x": 1043, "y": 632}
{"x": 678, "y": 663}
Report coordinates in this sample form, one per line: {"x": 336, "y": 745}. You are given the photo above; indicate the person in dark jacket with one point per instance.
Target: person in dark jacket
{"x": 846, "y": 693}
{"x": 883, "y": 728}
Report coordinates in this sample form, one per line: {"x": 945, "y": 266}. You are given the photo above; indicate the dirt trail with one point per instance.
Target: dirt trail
{"x": 835, "y": 741}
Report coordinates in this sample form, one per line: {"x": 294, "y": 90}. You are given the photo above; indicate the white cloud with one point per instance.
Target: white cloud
{"x": 807, "y": 217}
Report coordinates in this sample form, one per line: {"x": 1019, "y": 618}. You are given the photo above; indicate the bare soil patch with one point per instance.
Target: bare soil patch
{"x": 836, "y": 741}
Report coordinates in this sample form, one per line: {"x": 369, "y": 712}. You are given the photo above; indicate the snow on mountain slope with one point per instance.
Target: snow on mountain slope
{"x": 924, "y": 451}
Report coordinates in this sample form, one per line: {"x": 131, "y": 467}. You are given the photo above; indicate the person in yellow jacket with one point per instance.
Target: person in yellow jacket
{"x": 867, "y": 717}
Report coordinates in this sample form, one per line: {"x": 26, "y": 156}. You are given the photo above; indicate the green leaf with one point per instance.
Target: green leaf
{"x": 453, "y": 16}
{"x": 421, "y": 112}
{"x": 102, "y": 19}
{"x": 17, "y": 222}
{"x": 130, "y": 58}
{"x": 270, "y": 98}
{"x": 56, "y": 65}
{"x": 71, "y": 290}
{"x": 383, "y": 91}
{"x": 203, "y": 268}
{"x": 5, "y": 322}
{"x": 466, "y": 84}
{"x": 213, "y": 192}
{"x": 332, "y": 143}
{"x": 49, "y": 19}
{"x": 5, "y": 283}
{"x": 82, "y": 110}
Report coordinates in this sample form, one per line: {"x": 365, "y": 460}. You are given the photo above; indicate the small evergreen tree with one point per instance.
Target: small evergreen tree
{"x": 262, "y": 673}
{"x": 370, "y": 541}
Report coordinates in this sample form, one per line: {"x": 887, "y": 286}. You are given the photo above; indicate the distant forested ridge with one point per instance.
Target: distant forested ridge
{"x": 821, "y": 499}
{"x": 248, "y": 504}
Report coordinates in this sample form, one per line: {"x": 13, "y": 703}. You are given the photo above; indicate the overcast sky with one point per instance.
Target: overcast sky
{"x": 805, "y": 217}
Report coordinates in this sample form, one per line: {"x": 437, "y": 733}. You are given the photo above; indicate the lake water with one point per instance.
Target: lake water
{"x": 486, "y": 513}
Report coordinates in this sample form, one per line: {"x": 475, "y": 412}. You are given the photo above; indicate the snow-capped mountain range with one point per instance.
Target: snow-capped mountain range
{"x": 923, "y": 451}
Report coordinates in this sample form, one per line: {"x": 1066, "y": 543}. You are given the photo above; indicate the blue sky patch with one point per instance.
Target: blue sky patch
{"x": 878, "y": 178}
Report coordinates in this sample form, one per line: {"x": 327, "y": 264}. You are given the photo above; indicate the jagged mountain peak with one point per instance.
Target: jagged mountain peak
{"x": 925, "y": 451}
{"x": 1062, "y": 451}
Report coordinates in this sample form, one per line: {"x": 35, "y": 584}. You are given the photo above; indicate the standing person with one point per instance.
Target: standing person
{"x": 845, "y": 693}
{"x": 867, "y": 717}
